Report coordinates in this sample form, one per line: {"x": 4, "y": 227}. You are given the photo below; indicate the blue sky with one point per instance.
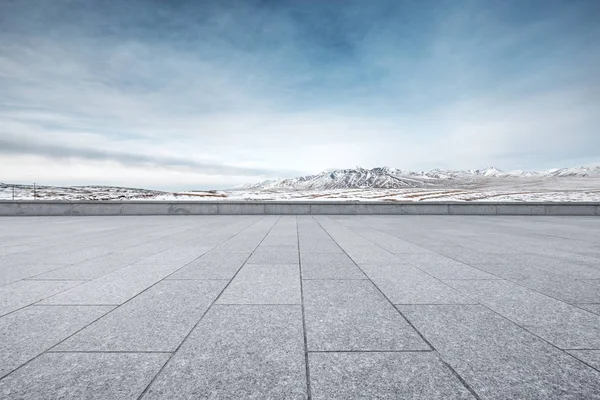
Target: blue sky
{"x": 201, "y": 94}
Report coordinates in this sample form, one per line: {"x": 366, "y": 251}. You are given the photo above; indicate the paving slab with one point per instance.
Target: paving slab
{"x": 83, "y": 376}
{"x": 390, "y": 242}
{"x": 554, "y": 265}
{"x": 563, "y": 325}
{"x": 283, "y": 240}
{"x": 595, "y": 308}
{"x": 497, "y": 358}
{"x": 274, "y": 255}
{"x": 264, "y": 284}
{"x": 14, "y": 273}
{"x": 177, "y": 256}
{"x": 405, "y": 375}
{"x": 367, "y": 254}
{"x": 565, "y": 289}
{"x": 31, "y": 331}
{"x": 91, "y": 269}
{"x": 23, "y": 293}
{"x": 405, "y": 284}
{"x": 116, "y": 287}
{"x": 590, "y": 357}
{"x": 326, "y": 246}
{"x": 239, "y": 352}
{"x": 157, "y": 320}
{"x": 329, "y": 266}
{"x": 353, "y": 315}
{"x": 445, "y": 268}
{"x": 217, "y": 265}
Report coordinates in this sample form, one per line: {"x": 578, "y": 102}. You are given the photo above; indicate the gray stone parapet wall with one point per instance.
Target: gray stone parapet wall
{"x": 49, "y": 208}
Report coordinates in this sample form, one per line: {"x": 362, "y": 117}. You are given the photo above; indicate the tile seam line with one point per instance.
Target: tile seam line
{"x": 109, "y": 352}
{"x": 596, "y": 349}
{"x": 450, "y": 368}
{"x": 492, "y": 310}
{"x": 36, "y": 303}
{"x": 93, "y": 258}
{"x": 56, "y": 269}
{"x": 513, "y": 232}
{"x": 191, "y": 279}
{"x": 103, "y": 315}
{"x": 585, "y": 363}
{"x": 373, "y": 283}
{"x": 260, "y": 304}
{"x": 73, "y": 305}
{"x": 516, "y": 282}
{"x": 67, "y": 237}
{"x": 371, "y": 351}
{"x": 377, "y": 287}
{"x": 487, "y": 218}
{"x": 181, "y": 244}
{"x": 54, "y": 280}
{"x": 44, "y": 298}
{"x": 162, "y": 368}
{"x": 305, "y": 338}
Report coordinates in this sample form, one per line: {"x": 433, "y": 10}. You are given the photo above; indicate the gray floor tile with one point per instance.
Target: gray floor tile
{"x": 498, "y": 359}
{"x": 272, "y": 256}
{"x": 353, "y": 315}
{"x": 289, "y": 241}
{"x": 561, "y": 324}
{"x": 157, "y": 320}
{"x": 83, "y": 376}
{"x": 23, "y": 293}
{"x": 445, "y": 268}
{"x": 404, "y": 375}
{"x": 14, "y": 273}
{"x": 404, "y": 284}
{"x": 239, "y": 246}
{"x": 77, "y": 256}
{"x": 92, "y": 269}
{"x": 590, "y": 357}
{"x": 218, "y": 266}
{"x": 29, "y": 332}
{"x": 264, "y": 284}
{"x": 176, "y": 257}
{"x": 325, "y": 246}
{"x": 565, "y": 289}
{"x": 595, "y": 308}
{"x": 329, "y": 266}
{"x": 116, "y": 287}
{"x": 239, "y": 352}
{"x": 370, "y": 255}
{"x": 554, "y": 265}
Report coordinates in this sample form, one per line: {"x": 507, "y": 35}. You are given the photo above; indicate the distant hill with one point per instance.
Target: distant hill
{"x": 392, "y": 178}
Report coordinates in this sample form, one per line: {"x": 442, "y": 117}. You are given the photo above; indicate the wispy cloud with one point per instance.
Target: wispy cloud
{"x": 16, "y": 146}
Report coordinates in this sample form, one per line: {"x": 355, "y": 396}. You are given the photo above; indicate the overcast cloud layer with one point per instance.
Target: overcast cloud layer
{"x": 201, "y": 94}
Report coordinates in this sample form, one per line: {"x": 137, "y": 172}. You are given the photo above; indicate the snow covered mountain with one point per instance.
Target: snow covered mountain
{"x": 386, "y": 178}
{"x": 392, "y": 178}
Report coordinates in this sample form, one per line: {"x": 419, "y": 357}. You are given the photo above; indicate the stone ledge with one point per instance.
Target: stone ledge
{"x": 88, "y": 208}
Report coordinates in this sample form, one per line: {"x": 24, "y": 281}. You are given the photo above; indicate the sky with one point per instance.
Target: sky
{"x": 181, "y": 95}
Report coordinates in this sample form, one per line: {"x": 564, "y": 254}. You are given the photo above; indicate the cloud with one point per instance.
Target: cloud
{"x": 251, "y": 89}
{"x": 14, "y": 146}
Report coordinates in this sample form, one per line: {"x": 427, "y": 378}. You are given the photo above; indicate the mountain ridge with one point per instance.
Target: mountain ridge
{"x": 393, "y": 178}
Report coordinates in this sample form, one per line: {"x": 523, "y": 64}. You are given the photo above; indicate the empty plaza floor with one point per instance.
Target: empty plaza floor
{"x": 300, "y": 307}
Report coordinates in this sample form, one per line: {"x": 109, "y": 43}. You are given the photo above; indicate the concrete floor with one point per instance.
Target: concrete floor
{"x": 268, "y": 307}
